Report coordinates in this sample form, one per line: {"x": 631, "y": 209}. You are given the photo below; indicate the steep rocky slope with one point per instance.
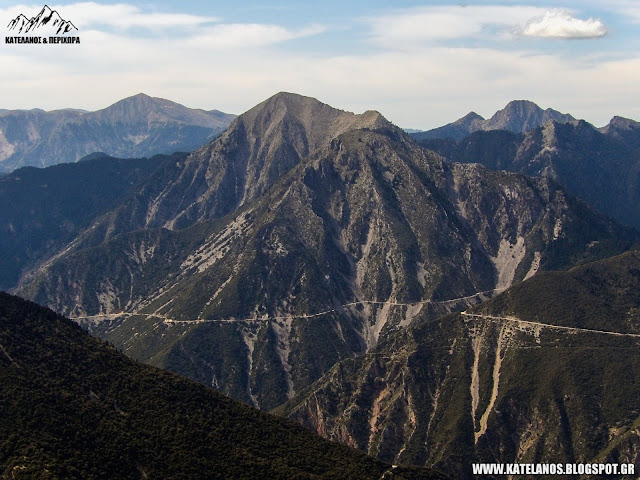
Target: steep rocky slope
{"x": 546, "y": 372}
{"x": 215, "y": 180}
{"x": 364, "y": 232}
{"x": 260, "y": 146}
{"x": 42, "y": 210}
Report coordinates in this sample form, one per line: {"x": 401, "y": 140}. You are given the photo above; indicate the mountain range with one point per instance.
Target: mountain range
{"x": 327, "y": 265}
{"x": 138, "y": 126}
{"x": 600, "y": 165}
{"x": 212, "y": 265}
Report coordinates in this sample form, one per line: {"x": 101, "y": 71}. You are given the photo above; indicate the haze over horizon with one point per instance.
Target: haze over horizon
{"x": 421, "y": 64}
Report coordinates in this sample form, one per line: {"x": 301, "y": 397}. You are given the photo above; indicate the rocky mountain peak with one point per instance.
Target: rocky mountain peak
{"x": 623, "y": 129}
{"x": 620, "y": 123}
{"x": 521, "y": 115}
{"x": 517, "y": 116}
{"x": 372, "y": 119}
{"x": 303, "y": 121}
{"x": 338, "y": 246}
{"x": 471, "y": 122}
{"x": 517, "y": 108}
{"x": 562, "y": 132}
{"x": 470, "y": 118}
{"x": 287, "y": 127}
{"x": 142, "y": 108}
{"x": 260, "y": 146}
{"x": 136, "y": 105}
{"x": 138, "y": 97}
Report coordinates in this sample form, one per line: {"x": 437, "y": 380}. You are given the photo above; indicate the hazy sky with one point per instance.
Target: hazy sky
{"x": 421, "y": 64}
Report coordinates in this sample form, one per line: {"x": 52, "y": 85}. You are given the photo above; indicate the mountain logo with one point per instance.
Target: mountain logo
{"x": 46, "y": 19}
{"x": 48, "y": 22}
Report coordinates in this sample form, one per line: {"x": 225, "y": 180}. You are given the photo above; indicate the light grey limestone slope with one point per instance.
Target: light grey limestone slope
{"x": 138, "y": 126}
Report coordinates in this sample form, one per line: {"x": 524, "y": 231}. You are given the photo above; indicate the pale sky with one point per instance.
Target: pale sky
{"x": 421, "y": 64}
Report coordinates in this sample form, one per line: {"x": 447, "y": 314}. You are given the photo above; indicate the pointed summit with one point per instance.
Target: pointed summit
{"x": 286, "y": 127}
{"x": 317, "y": 122}
{"x": 470, "y": 118}
{"x": 457, "y": 130}
{"x": 46, "y": 13}
{"x": 299, "y": 125}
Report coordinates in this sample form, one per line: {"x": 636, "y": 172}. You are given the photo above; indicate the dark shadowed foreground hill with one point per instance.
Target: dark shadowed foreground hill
{"x": 72, "y": 407}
